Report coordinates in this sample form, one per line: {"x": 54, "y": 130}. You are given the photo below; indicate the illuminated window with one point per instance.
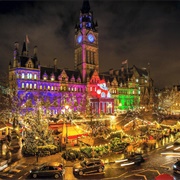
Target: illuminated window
{"x": 52, "y": 77}
{"x": 48, "y": 87}
{"x": 145, "y": 81}
{"x": 72, "y": 89}
{"x": 22, "y": 85}
{"x": 75, "y": 89}
{"x": 40, "y": 87}
{"x": 27, "y": 85}
{"x": 22, "y": 75}
{"x": 35, "y": 86}
{"x": 52, "y": 88}
{"x": 45, "y": 76}
{"x": 69, "y": 89}
{"x": 137, "y": 80}
{"x": 30, "y": 86}
{"x": 35, "y": 76}
{"x": 27, "y": 75}
{"x": 61, "y": 88}
{"x": 90, "y": 88}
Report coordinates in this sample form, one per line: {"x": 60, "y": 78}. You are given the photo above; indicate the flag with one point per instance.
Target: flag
{"x": 125, "y": 62}
{"x": 27, "y": 39}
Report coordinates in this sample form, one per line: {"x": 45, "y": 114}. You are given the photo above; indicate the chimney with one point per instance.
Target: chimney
{"x": 35, "y": 51}
{"x": 111, "y": 71}
{"x": 117, "y": 72}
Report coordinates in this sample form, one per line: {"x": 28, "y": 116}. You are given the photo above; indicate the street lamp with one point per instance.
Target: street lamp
{"x": 66, "y": 111}
{"x": 37, "y": 151}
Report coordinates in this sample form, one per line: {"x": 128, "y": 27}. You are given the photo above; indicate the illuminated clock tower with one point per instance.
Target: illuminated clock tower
{"x": 86, "y": 42}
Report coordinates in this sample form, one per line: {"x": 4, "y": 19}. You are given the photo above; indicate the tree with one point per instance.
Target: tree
{"x": 37, "y": 133}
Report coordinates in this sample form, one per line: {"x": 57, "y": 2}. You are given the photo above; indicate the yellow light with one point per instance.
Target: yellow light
{"x": 67, "y": 107}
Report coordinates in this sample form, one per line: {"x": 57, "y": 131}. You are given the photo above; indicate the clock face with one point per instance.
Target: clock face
{"x": 90, "y": 38}
{"x": 79, "y": 39}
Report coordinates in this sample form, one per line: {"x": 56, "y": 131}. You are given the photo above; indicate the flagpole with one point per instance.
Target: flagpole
{"x": 127, "y": 70}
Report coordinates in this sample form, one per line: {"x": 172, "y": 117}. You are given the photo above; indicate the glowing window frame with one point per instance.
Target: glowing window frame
{"x": 27, "y": 76}
{"x": 22, "y": 75}
{"x": 35, "y": 76}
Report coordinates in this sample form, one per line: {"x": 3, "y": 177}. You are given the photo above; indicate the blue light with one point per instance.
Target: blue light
{"x": 90, "y": 37}
{"x": 79, "y": 39}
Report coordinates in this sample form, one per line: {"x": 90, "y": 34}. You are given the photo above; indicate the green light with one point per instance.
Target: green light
{"x": 128, "y": 100}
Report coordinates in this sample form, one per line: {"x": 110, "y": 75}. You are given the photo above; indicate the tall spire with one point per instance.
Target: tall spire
{"x": 85, "y": 7}
{"x": 86, "y": 18}
{"x": 25, "y": 50}
{"x": 16, "y": 54}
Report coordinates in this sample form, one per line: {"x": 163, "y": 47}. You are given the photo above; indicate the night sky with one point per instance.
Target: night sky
{"x": 141, "y": 31}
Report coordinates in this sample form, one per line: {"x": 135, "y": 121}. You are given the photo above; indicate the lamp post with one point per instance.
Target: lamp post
{"x": 66, "y": 111}
{"x": 37, "y": 151}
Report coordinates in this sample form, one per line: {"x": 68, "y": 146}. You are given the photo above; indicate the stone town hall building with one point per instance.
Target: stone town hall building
{"x": 122, "y": 89}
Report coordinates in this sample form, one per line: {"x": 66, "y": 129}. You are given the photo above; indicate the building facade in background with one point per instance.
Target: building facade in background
{"x": 126, "y": 88}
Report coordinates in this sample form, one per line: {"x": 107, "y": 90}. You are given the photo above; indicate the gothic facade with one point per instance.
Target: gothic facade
{"x": 115, "y": 90}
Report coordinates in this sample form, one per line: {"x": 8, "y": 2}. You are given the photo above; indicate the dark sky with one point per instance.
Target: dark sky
{"x": 141, "y": 31}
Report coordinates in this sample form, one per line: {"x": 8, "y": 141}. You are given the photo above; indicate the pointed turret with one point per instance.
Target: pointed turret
{"x": 25, "y": 51}
{"x": 16, "y": 54}
{"x": 86, "y": 17}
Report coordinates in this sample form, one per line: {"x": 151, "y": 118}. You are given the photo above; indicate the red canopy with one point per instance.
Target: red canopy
{"x": 164, "y": 177}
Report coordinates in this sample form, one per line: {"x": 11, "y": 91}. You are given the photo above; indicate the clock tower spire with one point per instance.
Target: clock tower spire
{"x": 86, "y": 42}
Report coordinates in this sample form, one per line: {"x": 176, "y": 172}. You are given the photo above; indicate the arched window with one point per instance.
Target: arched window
{"x": 22, "y": 75}
{"x": 30, "y": 76}
{"x": 35, "y": 76}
